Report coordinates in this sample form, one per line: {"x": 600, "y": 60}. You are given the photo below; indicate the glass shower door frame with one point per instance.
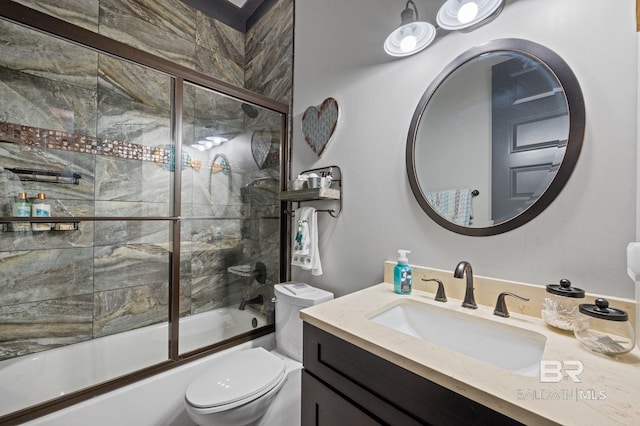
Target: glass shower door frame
{"x": 180, "y": 74}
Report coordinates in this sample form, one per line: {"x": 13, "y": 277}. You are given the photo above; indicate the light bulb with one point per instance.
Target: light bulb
{"x": 467, "y": 12}
{"x": 408, "y": 43}
{"x": 198, "y": 146}
{"x": 207, "y": 144}
{"x": 217, "y": 140}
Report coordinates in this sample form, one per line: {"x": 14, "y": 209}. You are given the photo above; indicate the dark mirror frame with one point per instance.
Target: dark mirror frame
{"x": 575, "y": 104}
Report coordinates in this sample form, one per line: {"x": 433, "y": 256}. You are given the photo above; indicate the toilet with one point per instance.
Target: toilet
{"x": 241, "y": 385}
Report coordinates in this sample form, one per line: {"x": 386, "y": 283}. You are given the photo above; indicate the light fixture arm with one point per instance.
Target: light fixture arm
{"x": 407, "y": 15}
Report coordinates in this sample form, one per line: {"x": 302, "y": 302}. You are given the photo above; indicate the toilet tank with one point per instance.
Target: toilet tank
{"x": 291, "y": 297}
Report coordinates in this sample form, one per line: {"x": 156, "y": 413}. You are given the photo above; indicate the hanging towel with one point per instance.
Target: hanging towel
{"x": 305, "y": 252}
{"x": 453, "y": 204}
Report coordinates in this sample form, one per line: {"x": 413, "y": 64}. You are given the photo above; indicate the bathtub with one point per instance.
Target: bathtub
{"x": 157, "y": 400}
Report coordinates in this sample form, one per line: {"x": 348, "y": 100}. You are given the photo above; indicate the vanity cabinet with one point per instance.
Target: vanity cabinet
{"x": 321, "y": 405}
{"x": 344, "y": 384}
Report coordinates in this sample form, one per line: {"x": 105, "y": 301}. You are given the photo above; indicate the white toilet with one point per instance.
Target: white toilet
{"x": 239, "y": 388}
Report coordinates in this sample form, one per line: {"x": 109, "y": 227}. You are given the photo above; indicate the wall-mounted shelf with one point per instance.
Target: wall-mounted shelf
{"x": 45, "y": 176}
{"x": 35, "y": 175}
{"x": 5, "y": 226}
{"x": 332, "y": 193}
{"x": 311, "y": 194}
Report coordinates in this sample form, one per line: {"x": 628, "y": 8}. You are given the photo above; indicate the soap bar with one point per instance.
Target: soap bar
{"x": 64, "y": 227}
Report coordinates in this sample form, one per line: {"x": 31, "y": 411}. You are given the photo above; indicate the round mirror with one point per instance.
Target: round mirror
{"x": 495, "y": 137}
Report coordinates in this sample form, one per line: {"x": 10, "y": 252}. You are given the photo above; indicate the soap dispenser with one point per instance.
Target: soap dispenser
{"x": 402, "y": 274}
{"x": 21, "y": 208}
{"x": 40, "y": 208}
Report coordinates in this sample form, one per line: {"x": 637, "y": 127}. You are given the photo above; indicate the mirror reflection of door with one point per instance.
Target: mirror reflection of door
{"x": 530, "y": 127}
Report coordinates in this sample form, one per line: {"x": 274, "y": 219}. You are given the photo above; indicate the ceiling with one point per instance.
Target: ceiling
{"x": 238, "y": 14}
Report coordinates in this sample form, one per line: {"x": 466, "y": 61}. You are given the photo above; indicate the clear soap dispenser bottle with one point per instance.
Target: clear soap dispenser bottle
{"x": 402, "y": 274}
{"x": 41, "y": 208}
{"x": 21, "y": 208}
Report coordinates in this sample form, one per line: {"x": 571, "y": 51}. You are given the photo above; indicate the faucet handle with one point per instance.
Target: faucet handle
{"x": 501, "y": 307}
{"x": 440, "y": 296}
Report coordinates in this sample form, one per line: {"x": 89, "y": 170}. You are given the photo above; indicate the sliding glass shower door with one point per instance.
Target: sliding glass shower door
{"x": 86, "y": 134}
{"x": 163, "y": 217}
{"x": 230, "y": 232}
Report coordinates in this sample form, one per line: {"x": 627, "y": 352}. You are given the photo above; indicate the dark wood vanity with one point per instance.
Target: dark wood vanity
{"x": 343, "y": 384}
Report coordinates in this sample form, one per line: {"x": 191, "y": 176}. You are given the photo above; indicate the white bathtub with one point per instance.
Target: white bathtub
{"x": 158, "y": 400}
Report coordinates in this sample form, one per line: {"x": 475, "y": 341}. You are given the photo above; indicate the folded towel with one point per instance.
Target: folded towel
{"x": 453, "y": 204}
{"x": 305, "y": 253}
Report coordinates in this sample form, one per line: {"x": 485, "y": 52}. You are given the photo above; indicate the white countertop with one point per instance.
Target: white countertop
{"x": 608, "y": 391}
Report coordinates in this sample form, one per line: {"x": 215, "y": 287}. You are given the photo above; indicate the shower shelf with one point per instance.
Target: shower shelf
{"x": 333, "y": 193}
{"x": 35, "y": 175}
{"x": 45, "y": 176}
{"x": 5, "y": 226}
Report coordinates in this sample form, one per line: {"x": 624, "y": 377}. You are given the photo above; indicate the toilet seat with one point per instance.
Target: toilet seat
{"x": 236, "y": 379}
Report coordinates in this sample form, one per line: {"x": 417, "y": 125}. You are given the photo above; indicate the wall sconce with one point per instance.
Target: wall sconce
{"x": 467, "y": 15}
{"x": 455, "y": 15}
{"x": 411, "y": 36}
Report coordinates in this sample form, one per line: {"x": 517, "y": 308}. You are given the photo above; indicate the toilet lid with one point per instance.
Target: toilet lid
{"x": 235, "y": 377}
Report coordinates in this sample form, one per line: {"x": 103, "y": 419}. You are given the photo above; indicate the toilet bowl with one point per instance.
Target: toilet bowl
{"x": 239, "y": 389}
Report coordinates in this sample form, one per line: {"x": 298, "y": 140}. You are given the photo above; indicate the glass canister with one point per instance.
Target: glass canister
{"x": 561, "y": 304}
{"x": 604, "y": 329}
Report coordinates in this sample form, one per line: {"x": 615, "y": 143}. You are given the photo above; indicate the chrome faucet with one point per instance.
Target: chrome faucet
{"x": 463, "y": 268}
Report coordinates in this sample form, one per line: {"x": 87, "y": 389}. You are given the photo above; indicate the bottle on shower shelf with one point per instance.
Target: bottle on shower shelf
{"x": 21, "y": 208}
{"x": 41, "y": 208}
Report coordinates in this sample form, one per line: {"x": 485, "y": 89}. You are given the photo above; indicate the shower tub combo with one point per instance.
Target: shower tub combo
{"x": 158, "y": 400}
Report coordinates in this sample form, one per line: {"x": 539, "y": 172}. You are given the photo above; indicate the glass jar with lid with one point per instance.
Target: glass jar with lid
{"x": 561, "y": 304}
{"x": 604, "y": 329}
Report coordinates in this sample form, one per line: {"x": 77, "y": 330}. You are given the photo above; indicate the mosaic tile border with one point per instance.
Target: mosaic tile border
{"x": 65, "y": 141}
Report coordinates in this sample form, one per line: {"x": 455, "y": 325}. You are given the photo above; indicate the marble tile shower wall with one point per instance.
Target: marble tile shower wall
{"x": 65, "y": 287}
{"x": 167, "y": 28}
{"x": 269, "y": 54}
{"x": 261, "y": 61}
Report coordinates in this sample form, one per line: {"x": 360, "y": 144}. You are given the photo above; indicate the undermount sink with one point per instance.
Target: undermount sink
{"x": 510, "y": 348}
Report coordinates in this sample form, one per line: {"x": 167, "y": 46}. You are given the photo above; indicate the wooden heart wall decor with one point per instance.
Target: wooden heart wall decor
{"x": 319, "y": 124}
